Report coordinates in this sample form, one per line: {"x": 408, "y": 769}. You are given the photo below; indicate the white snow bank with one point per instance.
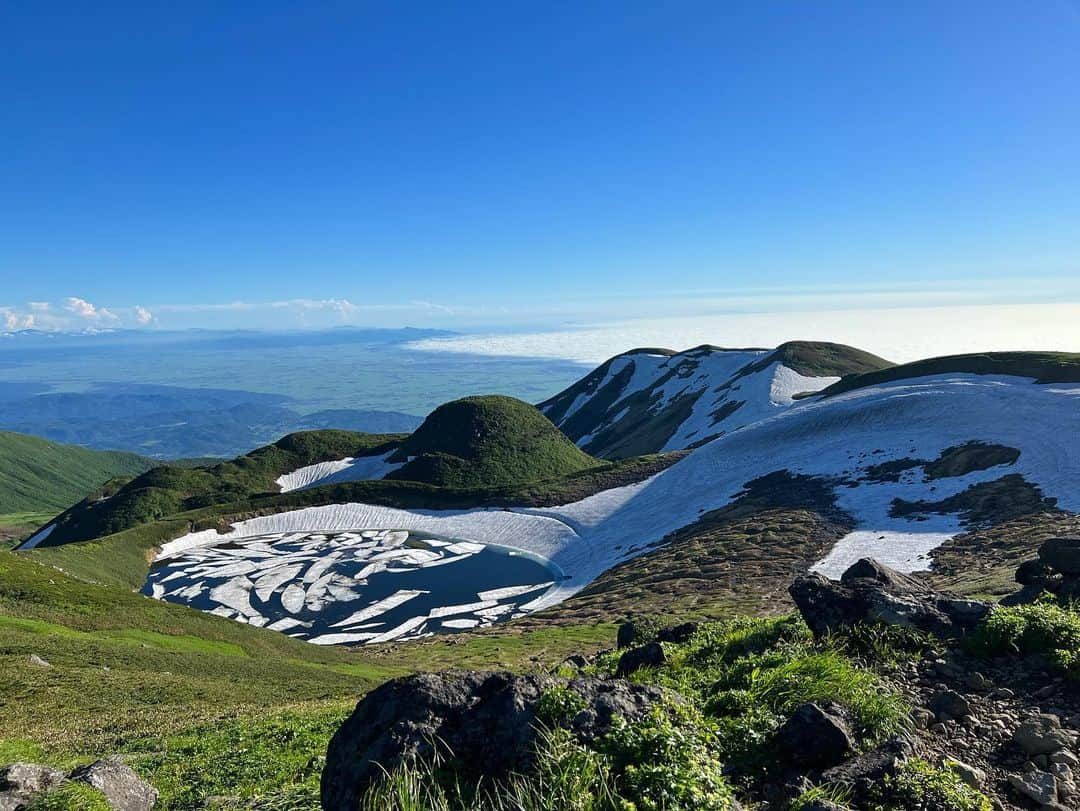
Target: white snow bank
{"x": 350, "y": 469}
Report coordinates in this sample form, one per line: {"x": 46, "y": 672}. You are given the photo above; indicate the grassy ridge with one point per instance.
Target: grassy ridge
{"x": 1043, "y": 367}
{"x": 167, "y": 490}
{"x": 39, "y": 476}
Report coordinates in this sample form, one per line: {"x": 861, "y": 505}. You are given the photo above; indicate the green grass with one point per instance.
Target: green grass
{"x": 167, "y": 490}
{"x": 1039, "y": 629}
{"x": 823, "y": 359}
{"x": 1043, "y": 367}
{"x": 39, "y": 476}
{"x": 919, "y": 785}
{"x": 488, "y": 441}
{"x": 122, "y": 664}
{"x": 749, "y": 675}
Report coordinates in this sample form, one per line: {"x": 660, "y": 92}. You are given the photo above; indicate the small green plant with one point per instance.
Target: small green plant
{"x": 919, "y": 786}
{"x": 70, "y": 797}
{"x": 835, "y": 794}
{"x": 558, "y": 706}
{"x": 1043, "y": 628}
{"x": 669, "y": 762}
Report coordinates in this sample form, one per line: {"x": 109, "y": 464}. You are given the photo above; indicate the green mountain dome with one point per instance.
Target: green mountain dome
{"x": 487, "y": 441}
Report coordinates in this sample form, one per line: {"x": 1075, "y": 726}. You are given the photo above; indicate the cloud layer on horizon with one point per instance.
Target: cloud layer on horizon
{"x": 898, "y": 334}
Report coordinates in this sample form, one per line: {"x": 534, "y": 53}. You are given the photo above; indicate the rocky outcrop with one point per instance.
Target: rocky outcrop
{"x": 1055, "y": 571}
{"x": 484, "y": 721}
{"x": 869, "y": 592}
{"x": 121, "y": 787}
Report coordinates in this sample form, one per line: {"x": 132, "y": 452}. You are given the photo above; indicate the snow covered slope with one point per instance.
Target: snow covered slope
{"x": 650, "y": 400}
{"x": 349, "y": 469}
{"x": 880, "y": 449}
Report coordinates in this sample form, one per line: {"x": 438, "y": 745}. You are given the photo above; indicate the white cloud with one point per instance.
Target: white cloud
{"x": 80, "y": 307}
{"x": 900, "y": 334}
{"x": 39, "y": 306}
{"x": 143, "y": 315}
{"x": 14, "y": 320}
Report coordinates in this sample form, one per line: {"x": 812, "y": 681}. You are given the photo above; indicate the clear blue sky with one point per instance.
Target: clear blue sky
{"x": 509, "y": 157}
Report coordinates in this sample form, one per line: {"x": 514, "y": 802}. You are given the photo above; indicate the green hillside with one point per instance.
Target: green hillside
{"x": 41, "y": 476}
{"x": 487, "y": 441}
{"x": 1043, "y": 367}
{"x": 168, "y": 489}
{"x": 824, "y": 359}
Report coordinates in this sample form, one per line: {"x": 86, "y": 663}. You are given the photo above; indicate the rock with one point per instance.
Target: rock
{"x": 37, "y": 661}
{"x": 870, "y": 569}
{"x": 821, "y": 805}
{"x": 20, "y": 781}
{"x": 1026, "y": 596}
{"x": 678, "y": 634}
{"x": 816, "y": 735}
{"x": 922, "y": 718}
{"x": 951, "y": 703}
{"x": 862, "y": 774}
{"x": 28, "y": 778}
{"x": 870, "y": 592}
{"x": 971, "y": 775}
{"x": 1033, "y": 573}
{"x": 1042, "y": 735}
{"x": 1066, "y": 757}
{"x": 122, "y": 787}
{"x": 485, "y": 719}
{"x": 651, "y": 655}
{"x": 1038, "y": 787}
{"x": 1061, "y": 555}
{"x": 575, "y": 662}
{"x": 627, "y": 635}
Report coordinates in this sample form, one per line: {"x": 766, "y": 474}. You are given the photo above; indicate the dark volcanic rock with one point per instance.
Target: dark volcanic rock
{"x": 862, "y": 773}
{"x": 627, "y": 635}
{"x": 870, "y": 592}
{"x": 122, "y": 787}
{"x": 678, "y": 634}
{"x": 1061, "y": 555}
{"x": 484, "y": 721}
{"x": 651, "y": 655}
{"x": 950, "y": 703}
{"x": 816, "y": 735}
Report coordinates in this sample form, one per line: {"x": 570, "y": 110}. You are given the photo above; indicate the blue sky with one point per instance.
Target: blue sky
{"x": 507, "y": 164}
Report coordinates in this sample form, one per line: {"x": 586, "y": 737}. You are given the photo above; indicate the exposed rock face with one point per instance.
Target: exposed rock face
{"x": 816, "y": 735}
{"x": 485, "y": 719}
{"x": 124, "y": 789}
{"x": 869, "y": 592}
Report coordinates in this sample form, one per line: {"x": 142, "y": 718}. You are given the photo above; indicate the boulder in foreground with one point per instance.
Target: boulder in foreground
{"x": 485, "y": 721}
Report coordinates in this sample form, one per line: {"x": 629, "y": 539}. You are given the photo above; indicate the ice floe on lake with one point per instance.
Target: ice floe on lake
{"x": 353, "y": 587}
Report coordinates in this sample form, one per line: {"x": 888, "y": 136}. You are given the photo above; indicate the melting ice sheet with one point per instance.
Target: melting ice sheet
{"x": 353, "y": 587}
